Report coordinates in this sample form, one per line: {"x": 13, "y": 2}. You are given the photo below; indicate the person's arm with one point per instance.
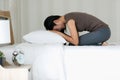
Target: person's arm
{"x": 73, "y": 37}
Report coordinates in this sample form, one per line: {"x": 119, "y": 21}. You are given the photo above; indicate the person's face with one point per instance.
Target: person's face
{"x": 59, "y": 25}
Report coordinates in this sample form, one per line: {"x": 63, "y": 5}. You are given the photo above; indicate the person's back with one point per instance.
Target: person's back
{"x": 84, "y": 21}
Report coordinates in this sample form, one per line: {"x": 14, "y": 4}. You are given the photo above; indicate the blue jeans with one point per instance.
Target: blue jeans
{"x": 96, "y": 37}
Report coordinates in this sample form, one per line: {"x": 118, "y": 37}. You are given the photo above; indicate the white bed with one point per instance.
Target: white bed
{"x": 58, "y": 62}
{"x": 92, "y": 62}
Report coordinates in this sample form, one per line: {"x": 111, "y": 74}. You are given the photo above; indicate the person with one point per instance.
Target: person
{"x": 99, "y": 32}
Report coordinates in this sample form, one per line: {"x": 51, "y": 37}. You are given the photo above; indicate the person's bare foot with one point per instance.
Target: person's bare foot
{"x": 105, "y": 44}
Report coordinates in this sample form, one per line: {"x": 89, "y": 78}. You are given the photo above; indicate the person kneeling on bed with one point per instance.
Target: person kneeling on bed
{"x": 99, "y": 32}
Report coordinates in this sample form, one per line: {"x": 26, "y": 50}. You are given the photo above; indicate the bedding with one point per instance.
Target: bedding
{"x": 47, "y": 60}
{"x": 58, "y": 62}
{"x": 43, "y": 37}
{"x": 92, "y": 62}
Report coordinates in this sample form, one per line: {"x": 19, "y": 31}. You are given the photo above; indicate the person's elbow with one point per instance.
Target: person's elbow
{"x": 76, "y": 42}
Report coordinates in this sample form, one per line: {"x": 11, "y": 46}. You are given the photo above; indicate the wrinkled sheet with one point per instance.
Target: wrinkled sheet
{"x": 46, "y": 60}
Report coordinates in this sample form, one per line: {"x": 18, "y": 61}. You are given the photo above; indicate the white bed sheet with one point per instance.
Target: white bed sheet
{"x": 92, "y": 62}
{"x": 46, "y": 60}
{"x": 58, "y": 62}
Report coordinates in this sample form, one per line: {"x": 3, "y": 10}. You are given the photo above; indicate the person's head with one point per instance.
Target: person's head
{"x": 54, "y": 23}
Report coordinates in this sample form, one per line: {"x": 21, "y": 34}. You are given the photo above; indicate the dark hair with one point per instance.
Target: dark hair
{"x": 49, "y": 21}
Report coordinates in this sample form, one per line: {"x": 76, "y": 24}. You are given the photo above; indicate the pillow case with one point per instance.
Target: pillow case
{"x": 42, "y": 36}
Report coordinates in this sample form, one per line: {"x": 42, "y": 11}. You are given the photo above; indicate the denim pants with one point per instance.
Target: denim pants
{"x": 96, "y": 37}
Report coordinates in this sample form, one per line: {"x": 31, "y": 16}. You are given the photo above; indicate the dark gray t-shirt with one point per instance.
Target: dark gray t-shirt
{"x": 84, "y": 21}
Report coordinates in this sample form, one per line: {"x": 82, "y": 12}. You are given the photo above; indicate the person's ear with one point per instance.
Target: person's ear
{"x": 56, "y": 21}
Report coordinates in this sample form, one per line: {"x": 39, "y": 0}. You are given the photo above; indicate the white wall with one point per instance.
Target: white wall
{"x": 117, "y": 31}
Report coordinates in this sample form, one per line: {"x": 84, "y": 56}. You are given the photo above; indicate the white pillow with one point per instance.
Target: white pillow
{"x": 41, "y": 37}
